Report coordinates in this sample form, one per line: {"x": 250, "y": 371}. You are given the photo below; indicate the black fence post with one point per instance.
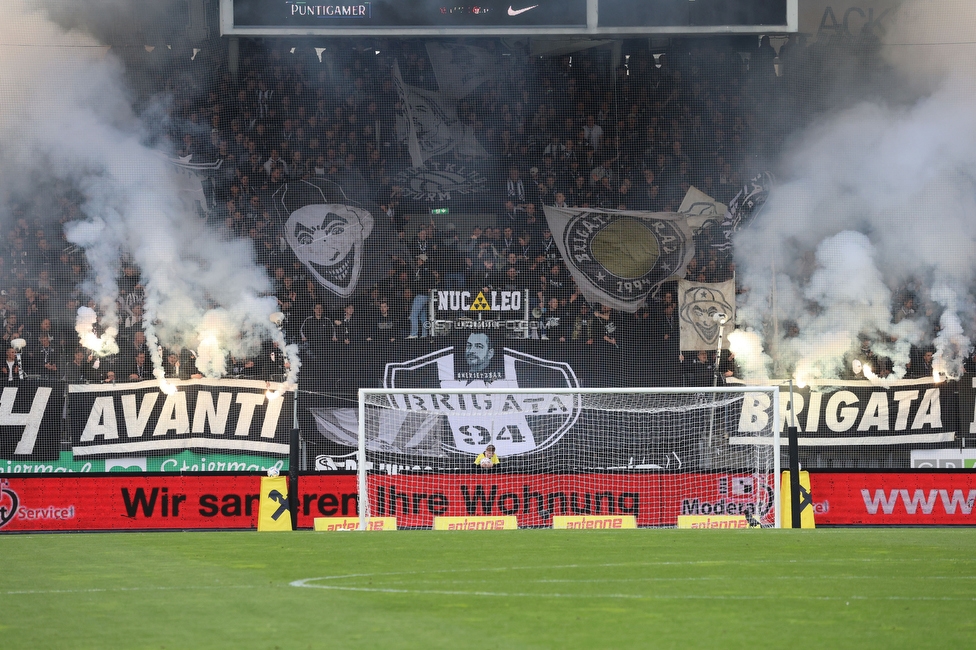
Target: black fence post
{"x": 794, "y": 463}
{"x": 293, "y": 454}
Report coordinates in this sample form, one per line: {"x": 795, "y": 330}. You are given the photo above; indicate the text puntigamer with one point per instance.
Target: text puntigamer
{"x": 351, "y": 11}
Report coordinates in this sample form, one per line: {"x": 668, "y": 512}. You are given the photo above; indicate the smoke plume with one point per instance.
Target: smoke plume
{"x": 878, "y": 204}
{"x": 66, "y": 119}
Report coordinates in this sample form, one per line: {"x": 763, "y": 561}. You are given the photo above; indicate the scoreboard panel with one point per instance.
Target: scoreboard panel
{"x": 692, "y": 13}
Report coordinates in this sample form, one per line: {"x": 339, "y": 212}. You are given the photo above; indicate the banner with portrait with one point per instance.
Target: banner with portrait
{"x": 531, "y": 431}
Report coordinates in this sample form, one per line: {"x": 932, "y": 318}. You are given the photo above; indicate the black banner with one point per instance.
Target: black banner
{"x": 842, "y": 416}
{"x": 30, "y": 420}
{"x": 857, "y": 413}
{"x": 967, "y": 405}
{"x": 139, "y": 419}
{"x": 531, "y": 432}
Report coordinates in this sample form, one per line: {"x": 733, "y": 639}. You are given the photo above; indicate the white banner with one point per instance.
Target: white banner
{"x": 702, "y": 307}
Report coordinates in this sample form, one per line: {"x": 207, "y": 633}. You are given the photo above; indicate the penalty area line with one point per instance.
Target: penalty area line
{"x": 310, "y": 583}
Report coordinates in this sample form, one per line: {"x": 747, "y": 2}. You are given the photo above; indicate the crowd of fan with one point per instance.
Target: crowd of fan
{"x": 560, "y": 130}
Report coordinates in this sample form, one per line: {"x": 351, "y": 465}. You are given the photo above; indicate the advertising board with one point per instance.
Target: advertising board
{"x": 128, "y": 502}
{"x": 495, "y": 17}
{"x": 205, "y": 501}
{"x": 894, "y": 498}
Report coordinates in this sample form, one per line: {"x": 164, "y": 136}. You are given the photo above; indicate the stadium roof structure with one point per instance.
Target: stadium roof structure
{"x": 586, "y": 18}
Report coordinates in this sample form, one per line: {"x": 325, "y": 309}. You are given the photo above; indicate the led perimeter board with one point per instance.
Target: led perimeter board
{"x": 504, "y": 17}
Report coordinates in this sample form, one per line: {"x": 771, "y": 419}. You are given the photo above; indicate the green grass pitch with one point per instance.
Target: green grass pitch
{"x": 863, "y": 588}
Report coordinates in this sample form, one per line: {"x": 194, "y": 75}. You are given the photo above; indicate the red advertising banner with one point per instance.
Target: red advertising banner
{"x": 130, "y": 502}
{"x": 655, "y": 499}
{"x": 139, "y": 502}
{"x": 134, "y": 502}
{"x": 326, "y": 495}
{"x": 894, "y": 498}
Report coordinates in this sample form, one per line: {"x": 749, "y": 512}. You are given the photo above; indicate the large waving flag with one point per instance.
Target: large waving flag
{"x": 459, "y": 69}
{"x": 187, "y": 178}
{"x": 428, "y": 122}
{"x": 743, "y": 209}
{"x": 404, "y": 119}
{"x": 617, "y": 257}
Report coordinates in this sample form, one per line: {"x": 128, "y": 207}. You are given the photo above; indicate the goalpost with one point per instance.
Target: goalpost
{"x": 653, "y": 453}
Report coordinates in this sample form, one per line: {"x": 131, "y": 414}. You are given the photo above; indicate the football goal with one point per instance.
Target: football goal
{"x": 711, "y": 454}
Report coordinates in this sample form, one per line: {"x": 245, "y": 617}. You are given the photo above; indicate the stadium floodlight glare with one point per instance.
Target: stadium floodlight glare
{"x": 655, "y": 453}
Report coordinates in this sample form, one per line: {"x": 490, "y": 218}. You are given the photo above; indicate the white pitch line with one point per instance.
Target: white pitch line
{"x": 306, "y": 583}
{"x": 710, "y": 563}
{"x": 394, "y": 583}
{"x": 27, "y": 592}
{"x": 765, "y": 578}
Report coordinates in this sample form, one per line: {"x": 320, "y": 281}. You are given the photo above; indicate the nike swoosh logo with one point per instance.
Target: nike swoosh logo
{"x": 516, "y": 12}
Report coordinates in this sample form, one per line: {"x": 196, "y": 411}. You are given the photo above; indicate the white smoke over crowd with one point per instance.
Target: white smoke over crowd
{"x": 66, "y": 117}
{"x": 877, "y": 203}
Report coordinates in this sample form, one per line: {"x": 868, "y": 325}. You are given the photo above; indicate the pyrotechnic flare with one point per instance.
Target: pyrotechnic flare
{"x": 85, "y": 325}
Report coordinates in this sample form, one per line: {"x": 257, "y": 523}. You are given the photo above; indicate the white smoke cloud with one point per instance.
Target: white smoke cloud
{"x": 65, "y": 114}
{"x": 878, "y": 198}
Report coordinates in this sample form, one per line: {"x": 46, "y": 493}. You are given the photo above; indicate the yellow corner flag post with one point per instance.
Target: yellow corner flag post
{"x": 806, "y": 501}
{"x": 273, "y": 508}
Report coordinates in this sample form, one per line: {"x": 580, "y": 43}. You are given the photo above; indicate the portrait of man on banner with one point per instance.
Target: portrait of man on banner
{"x": 473, "y": 421}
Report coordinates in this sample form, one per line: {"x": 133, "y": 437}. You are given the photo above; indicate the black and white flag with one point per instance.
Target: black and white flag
{"x": 428, "y": 123}
{"x": 743, "y": 208}
{"x": 617, "y": 257}
{"x": 187, "y": 178}
{"x": 337, "y": 239}
{"x": 459, "y": 69}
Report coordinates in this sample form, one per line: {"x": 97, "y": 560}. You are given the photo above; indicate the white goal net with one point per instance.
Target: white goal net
{"x": 655, "y": 454}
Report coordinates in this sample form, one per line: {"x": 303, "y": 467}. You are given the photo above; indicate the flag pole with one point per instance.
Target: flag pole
{"x": 721, "y": 319}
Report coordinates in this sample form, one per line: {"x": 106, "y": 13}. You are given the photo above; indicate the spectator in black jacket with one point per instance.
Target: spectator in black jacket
{"x": 317, "y": 330}
{"x": 383, "y": 323}
{"x": 348, "y": 328}
{"x": 700, "y": 371}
